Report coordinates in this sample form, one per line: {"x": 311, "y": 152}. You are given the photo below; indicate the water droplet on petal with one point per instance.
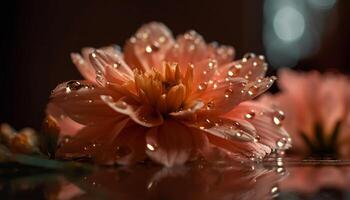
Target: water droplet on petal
{"x": 250, "y": 115}
{"x": 150, "y": 184}
{"x": 210, "y": 105}
{"x": 100, "y": 79}
{"x": 253, "y": 90}
{"x": 148, "y": 49}
{"x": 228, "y": 93}
{"x": 230, "y": 73}
{"x": 249, "y": 55}
{"x": 211, "y": 64}
{"x": 278, "y": 117}
{"x": 202, "y": 86}
{"x": 151, "y": 147}
{"x": 274, "y": 191}
{"x": 281, "y": 143}
{"x": 73, "y": 85}
{"x": 280, "y": 170}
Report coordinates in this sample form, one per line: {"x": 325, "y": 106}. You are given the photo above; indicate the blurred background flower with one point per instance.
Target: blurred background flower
{"x": 37, "y": 37}
{"x": 317, "y": 107}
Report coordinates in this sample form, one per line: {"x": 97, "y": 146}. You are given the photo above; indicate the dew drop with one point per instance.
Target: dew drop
{"x": 161, "y": 39}
{"x": 274, "y": 191}
{"x": 148, "y": 49}
{"x": 253, "y": 90}
{"x": 281, "y": 143}
{"x": 278, "y": 117}
{"x": 250, "y": 115}
{"x": 230, "y": 73}
{"x": 228, "y": 93}
{"x": 210, "y": 105}
{"x": 151, "y": 147}
{"x": 73, "y": 85}
{"x": 249, "y": 55}
{"x": 116, "y": 65}
{"x": 215, "y": 86}
{"x": 280, "y": 170}
{"x": 100, "y": 78}
{"x": 211, "y": 64}
{"x": 202, "y": 86}
{"x": 150, "y": 185}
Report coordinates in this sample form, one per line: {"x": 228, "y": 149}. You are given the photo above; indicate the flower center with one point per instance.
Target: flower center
{"x": 166, "y": 91}
{"x": 323, "y": 146}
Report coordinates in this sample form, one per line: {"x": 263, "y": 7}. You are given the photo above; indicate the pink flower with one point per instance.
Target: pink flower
{"x": 168, "y": 100}
{"x": 317, "y": 108}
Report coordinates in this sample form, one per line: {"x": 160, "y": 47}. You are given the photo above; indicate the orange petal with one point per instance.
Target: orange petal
{"x": 230, "y": 129}
{"x": 91, "y": 142}
{"x": 169, "y": 144}
{"x": 108, "y": 69}
{"x": 251, "y": 67}
{"x": 221, "y": 96}
{"x": 267, "y": 122}
{"x": 80, "y": 100}
{"x": 84, "y": 67}
{"x": 189, "y": 48}
{"x": 148, "y": 47}
{"x": 143, "y": 115}
{"x": 223, "y": 54}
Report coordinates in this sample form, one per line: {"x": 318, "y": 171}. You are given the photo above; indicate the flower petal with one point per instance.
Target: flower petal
{"x": 80, "y": 100}
{"x": 148, "y": 47}
{"x": 108, "y": 69}
{"x": 189, "y": 113}
{"x": 223, "y": 54}
{"x": 169, "y": 144}
{"x": 333, "y": 93}
{"x": 301, "y": 93}
{"x": 93, "y": 142}
{"x": 221, "y": 96}
{"x": 190, "y": 48}
{"x": 230, "y": 129}
{"x": 250, "y": 67}
{"x": 84, "y": 67}
{"x": 67, "y": 126}
{"x": 131, "y": 143}
{"x": 266, "y": 121}
{"x": 143, "y": 115}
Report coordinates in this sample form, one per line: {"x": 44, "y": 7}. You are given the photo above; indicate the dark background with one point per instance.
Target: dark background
{"x": 37, "y": 37}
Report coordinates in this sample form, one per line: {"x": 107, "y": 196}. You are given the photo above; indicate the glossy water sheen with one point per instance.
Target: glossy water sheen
{"x": 272, "y": 179}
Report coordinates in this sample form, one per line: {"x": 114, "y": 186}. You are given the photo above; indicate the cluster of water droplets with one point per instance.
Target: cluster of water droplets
{"x": 150, "y": 43}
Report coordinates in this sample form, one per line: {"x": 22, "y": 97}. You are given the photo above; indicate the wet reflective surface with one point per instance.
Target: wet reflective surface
{"x": 271, "y": 179}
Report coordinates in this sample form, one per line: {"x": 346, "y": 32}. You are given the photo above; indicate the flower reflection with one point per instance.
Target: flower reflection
{"x": 313, "y": 181}
{"x": 194, "y": 181}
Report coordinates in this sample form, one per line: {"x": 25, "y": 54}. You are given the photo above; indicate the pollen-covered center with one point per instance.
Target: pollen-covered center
{"x": 167, "y": 91}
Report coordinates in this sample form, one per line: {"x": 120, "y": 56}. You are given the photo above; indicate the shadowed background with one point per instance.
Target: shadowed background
{"x": 37, "y": 37}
